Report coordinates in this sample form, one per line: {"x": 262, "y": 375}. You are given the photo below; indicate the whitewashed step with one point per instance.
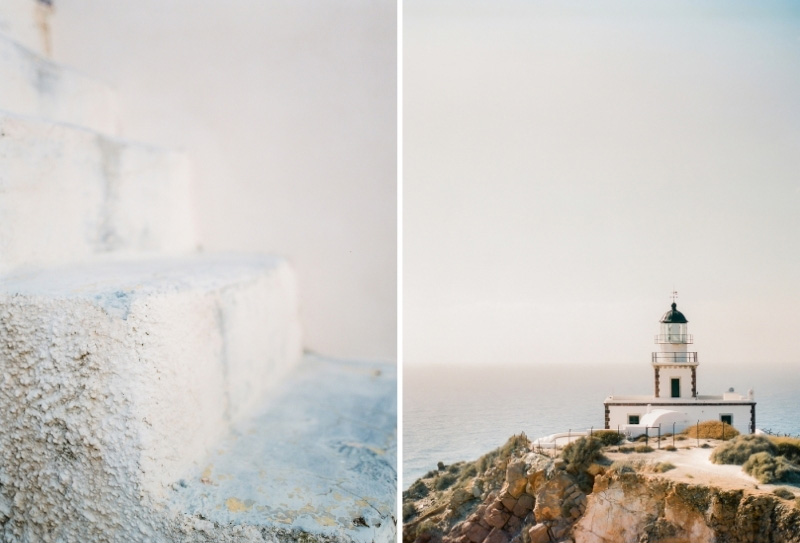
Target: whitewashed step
{"x": 33, "y": 85}
{"x": 317, "y": 463}
{"x": 27, "y": 22}
{"x": 67, "y": 193}
{"x": 115, "y": 378}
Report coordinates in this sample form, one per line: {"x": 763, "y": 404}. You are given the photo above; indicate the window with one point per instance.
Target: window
{"x": 727, "y": 419}
{"x": 676, "y": 387}
{"x": 633, "y": 419}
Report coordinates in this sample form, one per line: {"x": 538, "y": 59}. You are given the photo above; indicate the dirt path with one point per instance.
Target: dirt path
{"x": 692, "y": 465}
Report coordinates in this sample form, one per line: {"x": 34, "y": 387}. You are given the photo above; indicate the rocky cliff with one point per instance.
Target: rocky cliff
{"x": 516, "y": 495}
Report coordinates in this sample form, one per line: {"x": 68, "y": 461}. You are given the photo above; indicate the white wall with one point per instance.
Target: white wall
{"x": 618, "y": 415}
{"x": 665, "y": 376}
{"x": 288, "y": 109}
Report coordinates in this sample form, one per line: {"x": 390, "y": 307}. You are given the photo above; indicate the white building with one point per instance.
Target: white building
{"x": 675, "y": 399}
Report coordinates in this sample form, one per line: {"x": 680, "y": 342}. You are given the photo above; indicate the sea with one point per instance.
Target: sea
{"x": 453, "y": 413}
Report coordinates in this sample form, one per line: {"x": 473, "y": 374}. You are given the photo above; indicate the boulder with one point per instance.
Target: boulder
{"x": 538, "y": 534}
{"x": 550, "y": 497}
{"x": 475, "y": 532}
{"x": 515, "y": 478}
{"x": 509, "y": 502}
{"x": 535, "y": 480}
{"x": 459, "y": 497}
{"x": 496, "y": 536}
{"x": 524, "y": 505}
{"x": 495, "y": 516}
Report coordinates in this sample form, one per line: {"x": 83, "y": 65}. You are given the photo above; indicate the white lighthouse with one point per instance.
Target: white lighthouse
{"x": 675, "y": 402}
{"x": 674, "y": 366}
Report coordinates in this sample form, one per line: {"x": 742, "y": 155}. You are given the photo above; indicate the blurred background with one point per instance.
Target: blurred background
{"x": 288, "y": 111}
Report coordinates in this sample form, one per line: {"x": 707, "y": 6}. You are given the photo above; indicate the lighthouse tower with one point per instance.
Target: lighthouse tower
{"x": 675, "y": 403}
{"x": 674, "y": 366}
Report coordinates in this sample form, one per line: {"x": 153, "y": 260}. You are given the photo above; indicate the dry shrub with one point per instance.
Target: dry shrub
{"x": 580, "y": 453}
{"x": 770, "y": 469}
{"x": 788, "y": 447}
{"x": 643, "y": 449}
{"x": 608, "y": 437}
{"x": 515, "y": 443}
{"x": 670, "y": 448}
{"x": 738, "y": 450}
{"x": 784, "y": 493}
{"x": 417, "y": 490}
{"x": 626, "y": 466}
{"x": 409, "y": 510}
{"x": 712, "y": 429}
{"x": 444, "y": 481}
{"x": 661, "y": 467}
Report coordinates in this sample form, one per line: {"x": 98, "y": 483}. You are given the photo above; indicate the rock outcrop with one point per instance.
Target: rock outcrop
{"x": 514, "y": 495}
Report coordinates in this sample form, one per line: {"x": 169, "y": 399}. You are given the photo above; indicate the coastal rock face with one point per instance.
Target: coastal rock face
{"x": 513, "y": 495}
{"x": 632, "y": 508}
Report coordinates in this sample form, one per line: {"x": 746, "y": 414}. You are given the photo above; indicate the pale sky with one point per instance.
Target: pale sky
{"x": 567, "y": 164}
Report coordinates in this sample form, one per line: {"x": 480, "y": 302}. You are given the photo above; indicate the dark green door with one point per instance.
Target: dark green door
{"x": 676, "y": 388}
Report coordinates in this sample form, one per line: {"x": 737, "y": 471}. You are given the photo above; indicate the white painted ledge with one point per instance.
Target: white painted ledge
{"x": 116, "y": 377}
{"x": 67, "y": 194}
{"x": 32, "y": 85}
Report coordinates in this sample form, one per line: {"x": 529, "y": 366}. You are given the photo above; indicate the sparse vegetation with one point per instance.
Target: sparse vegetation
{"x": 626, "y": 450}
{"x": 515, "y": 443}
{"x": 661, "y": 467}
{"x": 409, "y": 510}
{"x": 739, "y": 450}
{"x": 626, "y": 466}
{"x": 444, "y": 481}
{"x": 417, "y": 490}
{"x": 471, "y": 470}
{"x": 788, "y": 447}
{"x": 643, "y": 449}
{"x": 670, "y": 448}
{"x": 767, "y": 468}
{"x": 580, "y": 453}
{"x": 427, "y": 527}
{"x": 784, "y": 493}
{"x": 712, "y": 429}
{"x": 608, "y": 437}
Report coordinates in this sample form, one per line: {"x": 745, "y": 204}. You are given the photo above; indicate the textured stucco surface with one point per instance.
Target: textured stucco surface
{"x": 68, "y": 194}
{"x": 33, "y": 85}
{"x": 116, "y": 376}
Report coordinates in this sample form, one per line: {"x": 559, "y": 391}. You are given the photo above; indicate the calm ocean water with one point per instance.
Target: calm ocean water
{"x": 460, "y": 413}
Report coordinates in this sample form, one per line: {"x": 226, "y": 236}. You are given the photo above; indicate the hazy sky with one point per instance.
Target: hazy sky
{"x": 567, "y": 164}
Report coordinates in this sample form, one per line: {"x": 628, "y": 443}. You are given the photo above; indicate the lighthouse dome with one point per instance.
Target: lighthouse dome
{"x": 674, "y": 316}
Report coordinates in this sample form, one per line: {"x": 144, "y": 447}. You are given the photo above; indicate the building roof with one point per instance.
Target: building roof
{"x": 673, "y": 315}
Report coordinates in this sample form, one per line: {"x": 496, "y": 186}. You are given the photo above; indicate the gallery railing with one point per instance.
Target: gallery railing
{"x": 677, "y": 358}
